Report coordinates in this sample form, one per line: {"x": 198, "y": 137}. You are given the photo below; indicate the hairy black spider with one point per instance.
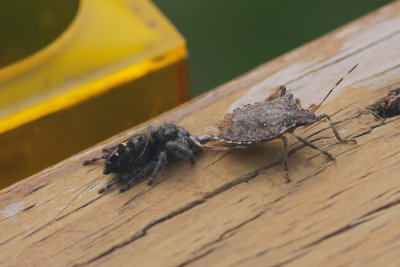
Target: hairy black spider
{"x": 142, "y": 154}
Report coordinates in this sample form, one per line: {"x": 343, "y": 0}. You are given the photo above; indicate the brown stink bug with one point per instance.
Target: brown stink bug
{"x": 263, "y": 121}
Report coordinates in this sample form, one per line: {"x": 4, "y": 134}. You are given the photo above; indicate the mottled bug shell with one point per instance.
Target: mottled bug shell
{"x": 133, "y": 152}
{"x": 262, "y": 121}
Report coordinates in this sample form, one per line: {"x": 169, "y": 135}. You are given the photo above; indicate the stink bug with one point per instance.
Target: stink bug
{"x": 264, "y": 121}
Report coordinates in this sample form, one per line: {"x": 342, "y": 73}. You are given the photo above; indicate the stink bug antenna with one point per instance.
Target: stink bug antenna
{"x": 338, "y": 82}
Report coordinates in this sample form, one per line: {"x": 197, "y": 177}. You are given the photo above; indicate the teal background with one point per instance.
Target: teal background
{"x": 227, "y": 38}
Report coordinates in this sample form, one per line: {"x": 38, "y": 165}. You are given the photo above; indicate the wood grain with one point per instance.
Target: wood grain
{"x": 235, "y": 209}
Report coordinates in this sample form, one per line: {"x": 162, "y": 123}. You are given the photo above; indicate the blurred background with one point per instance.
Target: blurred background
{"x": 225, "y": 38}
{"x": 229, "y": 37}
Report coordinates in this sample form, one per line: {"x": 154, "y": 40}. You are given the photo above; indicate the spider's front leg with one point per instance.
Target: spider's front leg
{"x": 181, "y": 149}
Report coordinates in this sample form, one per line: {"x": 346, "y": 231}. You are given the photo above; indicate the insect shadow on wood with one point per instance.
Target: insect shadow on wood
{"x": 267, "y": 120}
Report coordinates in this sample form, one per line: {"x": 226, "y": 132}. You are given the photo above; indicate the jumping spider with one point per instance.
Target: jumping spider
{"x": 142, "y": 154}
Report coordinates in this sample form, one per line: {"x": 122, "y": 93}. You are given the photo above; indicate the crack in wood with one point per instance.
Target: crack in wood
{"x": 384, "y": 207}
{"x": 36, "y": 189}
{"x": 29, "y": 208}
{"x": 312, "y": 175}
{"x": 265, "y": 251}
{"x": 246, "y": 178}
{"x": 336, "y": 232}
{"x": 225, "y": 234}
{"x": 383, "y": 193}
{"x": 10, "y": 218}
{"x": 196, "y": 258}
{"x": 346, "y": 152}
{"x": 143, "y": 232}
{"x": 171, "y": 215}
{"x": 285, "y": 262}
{"x": 60, "y": 218}
{"x": 358, "y": 221}
{"x": 220, "y": 158}
{"x": 392, "y": 155}
{"x": 133, "y": 198}
{"x": 8, "y": 240}
{"x": 341, "y": 192}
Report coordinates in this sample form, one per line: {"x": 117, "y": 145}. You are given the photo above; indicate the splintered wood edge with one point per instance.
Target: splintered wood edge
{"x": 235, "y": 208}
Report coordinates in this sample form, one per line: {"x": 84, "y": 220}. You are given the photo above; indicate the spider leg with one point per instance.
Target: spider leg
{"x": 180, "y": 151}
{"x": 299, "y": 103}
{"x": 131, "y": 177}
{"x": 92, "y": 160}
{"x": 129, "y": 184}
{"x": 283, "y": 90}
{"x": 136, "y": 175}
{"x": 114, "y": 182}
{"x": 322, "y": 116}
{"x": 160, "y": 163}
{"x": 308, "y": 143}
{"x": 108, "y": 149}
{"x": 285, "y": 158}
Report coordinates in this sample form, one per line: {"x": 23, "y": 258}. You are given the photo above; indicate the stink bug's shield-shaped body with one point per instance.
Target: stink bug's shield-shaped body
{"x": 268, "y": 120}
{"x": 263, "y": 121}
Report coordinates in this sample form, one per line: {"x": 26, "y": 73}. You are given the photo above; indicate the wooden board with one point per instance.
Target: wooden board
{"x": 235, "y": 209}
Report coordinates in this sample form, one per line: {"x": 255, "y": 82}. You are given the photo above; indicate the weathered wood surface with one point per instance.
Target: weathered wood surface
{"x": 235, "y": 208}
